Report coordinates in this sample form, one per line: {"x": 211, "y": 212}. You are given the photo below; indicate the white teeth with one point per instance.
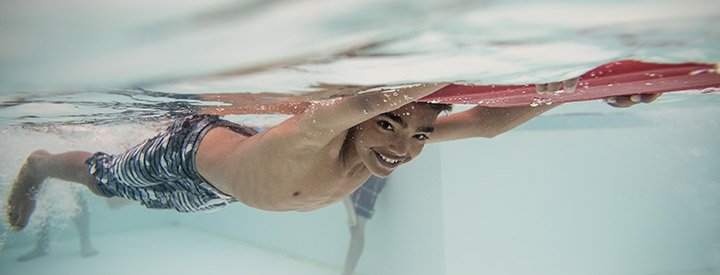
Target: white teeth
{"x": 389, "y": 160}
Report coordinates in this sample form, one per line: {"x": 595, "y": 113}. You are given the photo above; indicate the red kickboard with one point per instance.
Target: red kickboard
{"x": 620, "y": 78}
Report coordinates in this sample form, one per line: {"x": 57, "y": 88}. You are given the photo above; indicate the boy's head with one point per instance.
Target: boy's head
{"x": 388, "y": 140}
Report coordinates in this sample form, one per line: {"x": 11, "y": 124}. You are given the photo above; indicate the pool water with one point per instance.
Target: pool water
{"x": 582, "y": 189}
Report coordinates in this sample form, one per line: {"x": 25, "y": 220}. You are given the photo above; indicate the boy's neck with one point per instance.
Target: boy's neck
{"x": 350, "y": 157}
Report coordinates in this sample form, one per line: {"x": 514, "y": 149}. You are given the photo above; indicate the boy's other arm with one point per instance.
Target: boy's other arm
{"x": 481, "y": 121}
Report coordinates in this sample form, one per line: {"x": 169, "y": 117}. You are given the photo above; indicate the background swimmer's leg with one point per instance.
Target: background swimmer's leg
{"x": 357, "y": 239}
{"x": 40, "y": 165}
{"x": 82, "y": 223}
{"x": 42, "y": 244}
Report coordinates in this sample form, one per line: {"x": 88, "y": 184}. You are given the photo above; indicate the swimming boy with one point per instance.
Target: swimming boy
{"x": 308, "y": 161}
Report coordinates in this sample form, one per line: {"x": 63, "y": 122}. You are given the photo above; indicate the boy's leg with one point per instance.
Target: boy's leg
{"x": 40, "y": 165}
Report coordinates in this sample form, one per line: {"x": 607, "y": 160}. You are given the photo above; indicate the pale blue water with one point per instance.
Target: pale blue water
{"x": 583, "y": 189}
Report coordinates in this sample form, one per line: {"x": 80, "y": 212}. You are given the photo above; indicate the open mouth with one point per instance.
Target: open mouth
{"x": 387, "y": 161}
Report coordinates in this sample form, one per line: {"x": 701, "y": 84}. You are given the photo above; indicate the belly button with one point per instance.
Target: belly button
{"x": 296, "y": 194}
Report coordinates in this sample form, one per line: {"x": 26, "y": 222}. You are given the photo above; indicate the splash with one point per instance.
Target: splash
{"x": 56, "y": 205}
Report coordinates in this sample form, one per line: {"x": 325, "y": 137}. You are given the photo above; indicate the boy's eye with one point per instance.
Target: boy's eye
{"x": 385, "y": 125}
{"x": 421, "y": 137}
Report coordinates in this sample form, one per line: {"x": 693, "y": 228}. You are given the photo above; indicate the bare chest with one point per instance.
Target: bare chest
{"x": 306, "y": 185}
{"x": 284, "y": 178}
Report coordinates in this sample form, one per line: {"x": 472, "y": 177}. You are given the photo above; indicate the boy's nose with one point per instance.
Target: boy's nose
{"x": 399, "y": 148}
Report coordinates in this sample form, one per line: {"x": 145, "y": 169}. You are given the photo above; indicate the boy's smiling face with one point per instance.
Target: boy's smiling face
{"x": 388, "y": 140}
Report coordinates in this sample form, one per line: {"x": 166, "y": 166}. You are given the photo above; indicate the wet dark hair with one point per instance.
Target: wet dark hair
{"x": 439, "y": 107}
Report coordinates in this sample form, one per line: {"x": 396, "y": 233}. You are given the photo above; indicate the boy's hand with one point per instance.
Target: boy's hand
{"x": 570, "y": 85}
{"x": 627, "y": 101}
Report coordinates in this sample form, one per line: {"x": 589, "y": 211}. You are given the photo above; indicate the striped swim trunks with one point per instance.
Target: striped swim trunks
{"x": 364, "y": 197}
{"x": 160, "y": 172}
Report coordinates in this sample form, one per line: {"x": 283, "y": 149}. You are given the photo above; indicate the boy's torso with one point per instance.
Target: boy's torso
{"x": 276, "y": 170}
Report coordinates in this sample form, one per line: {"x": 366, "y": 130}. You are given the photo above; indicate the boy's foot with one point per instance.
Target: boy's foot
{"x": 21, "y": 201}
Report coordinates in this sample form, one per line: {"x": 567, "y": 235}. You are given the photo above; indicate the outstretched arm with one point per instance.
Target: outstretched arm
{"x": 489, "y": 122}
{"x": 482, "y": 121}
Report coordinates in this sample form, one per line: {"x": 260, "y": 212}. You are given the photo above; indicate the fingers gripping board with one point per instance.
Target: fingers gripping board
{"x": 620, "y": 78}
